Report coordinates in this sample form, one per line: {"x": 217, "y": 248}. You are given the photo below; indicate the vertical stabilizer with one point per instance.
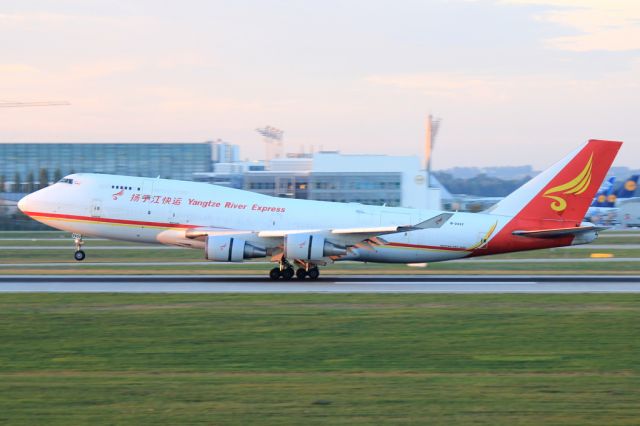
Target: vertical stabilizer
{"x": 563, "y": 192}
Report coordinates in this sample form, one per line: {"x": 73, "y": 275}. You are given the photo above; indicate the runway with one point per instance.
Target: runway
{"x": 327, "y": 284}
{"x": 88, "y": 248}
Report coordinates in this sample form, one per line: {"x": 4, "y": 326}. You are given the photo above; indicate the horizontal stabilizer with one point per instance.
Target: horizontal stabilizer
{"x": 559, "y": 232}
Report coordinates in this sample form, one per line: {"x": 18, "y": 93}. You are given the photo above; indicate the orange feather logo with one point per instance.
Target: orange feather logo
{"x": 576, "y": 186}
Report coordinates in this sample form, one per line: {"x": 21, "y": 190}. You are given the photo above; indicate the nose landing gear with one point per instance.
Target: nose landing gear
{"x": 79, "y": 255}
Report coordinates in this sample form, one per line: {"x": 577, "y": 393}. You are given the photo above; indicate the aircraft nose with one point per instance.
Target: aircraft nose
{"x": 23, "y": 203}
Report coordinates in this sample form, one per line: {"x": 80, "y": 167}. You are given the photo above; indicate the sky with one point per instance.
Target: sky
{"x": 514, "y": 81}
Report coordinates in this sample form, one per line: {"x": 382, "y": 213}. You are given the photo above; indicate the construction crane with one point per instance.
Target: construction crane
{"x": 9, "y": 104}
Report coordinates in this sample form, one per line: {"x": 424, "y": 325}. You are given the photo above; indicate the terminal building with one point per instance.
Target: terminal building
{"x": 331, "y": 176}
{"x": 325, "y": 176}
{"x": 168, "y": 160}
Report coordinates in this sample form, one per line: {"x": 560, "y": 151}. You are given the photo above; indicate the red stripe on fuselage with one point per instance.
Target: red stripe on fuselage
{"x": 109, "y": 220}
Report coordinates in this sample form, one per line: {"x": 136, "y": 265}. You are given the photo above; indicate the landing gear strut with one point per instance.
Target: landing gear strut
{"x": 285, "y": 271}
{"x": 308, "y": 270}
{"x": 301, "y": 273}
{"x": 313, "y": 273}
{"x": 79, "y": 254}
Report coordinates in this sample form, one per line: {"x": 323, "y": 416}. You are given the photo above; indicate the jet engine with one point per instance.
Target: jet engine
{"x": 310, "y": 247}
{"x": 230, "y": 249}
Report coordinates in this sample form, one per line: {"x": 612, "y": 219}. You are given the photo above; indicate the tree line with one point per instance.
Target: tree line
{"x": 30, "y": 183}
{"x": 481, "y": 185}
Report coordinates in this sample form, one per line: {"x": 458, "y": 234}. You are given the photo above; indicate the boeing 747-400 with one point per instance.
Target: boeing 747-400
{"x": 231, "y": 225}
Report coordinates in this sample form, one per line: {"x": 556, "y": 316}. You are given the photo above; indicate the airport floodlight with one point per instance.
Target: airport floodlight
{"x": 272, "y": 138}
{"x": 432, "y": 126}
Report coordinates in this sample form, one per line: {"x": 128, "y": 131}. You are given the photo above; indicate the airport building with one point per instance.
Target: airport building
{"x": 331, "y": 176}
{"x": 324, "y": 176}
{"x": 168, "y": 160}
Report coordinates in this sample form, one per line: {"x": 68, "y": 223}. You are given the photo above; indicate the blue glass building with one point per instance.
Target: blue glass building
{"x": 167, "y": 160}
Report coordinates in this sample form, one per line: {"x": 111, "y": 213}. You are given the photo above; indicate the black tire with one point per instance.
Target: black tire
{"x": 287, "y": 274}
{"x": 274, "y": 274}
{"x": 313, "y": 273}
{"x": 301, "y": 273}
{"x": 79, "y": 255}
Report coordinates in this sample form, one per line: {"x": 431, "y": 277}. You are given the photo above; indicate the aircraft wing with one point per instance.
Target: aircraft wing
{"x": 341, "y": 236}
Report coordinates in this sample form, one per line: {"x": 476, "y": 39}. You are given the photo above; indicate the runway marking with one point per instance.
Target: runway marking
{"x": 329, "y": 284}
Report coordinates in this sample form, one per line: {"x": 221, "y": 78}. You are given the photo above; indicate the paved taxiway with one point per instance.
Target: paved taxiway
{"x": 327, "y": 284}
{"x": 161, "y": 247}
{"x": 209, "y": 263}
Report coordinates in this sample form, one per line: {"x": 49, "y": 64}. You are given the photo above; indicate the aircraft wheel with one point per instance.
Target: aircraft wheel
{"x": 313, "y": 273}
{"x": 274, "y": 274}
{"x": 287, "y": 274}
{"x": 301, "y": 273}
{"x": 79, "y": 255}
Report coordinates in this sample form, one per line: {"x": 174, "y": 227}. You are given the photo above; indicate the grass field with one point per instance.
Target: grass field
{"x": 343, "y": 359}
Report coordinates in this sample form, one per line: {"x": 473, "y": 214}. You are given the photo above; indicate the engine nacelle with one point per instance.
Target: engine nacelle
{"x": 230, "y": 249}
{"x": 310, "y": 247}
{"x": 584, "y": 238}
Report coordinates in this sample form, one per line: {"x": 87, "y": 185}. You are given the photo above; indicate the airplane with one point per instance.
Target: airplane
{"x": 607, "y": 202}
{"x": 626, "y": 192}
{"x": 604, "y": 192}
{"x": 231, "y": 225}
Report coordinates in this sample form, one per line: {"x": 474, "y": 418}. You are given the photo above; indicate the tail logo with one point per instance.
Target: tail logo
{"x": 630, "y": 185}
{"x": 576, "y": 186}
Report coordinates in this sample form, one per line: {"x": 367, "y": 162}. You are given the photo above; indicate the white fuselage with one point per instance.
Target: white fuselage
{"x": 161, "y": 211}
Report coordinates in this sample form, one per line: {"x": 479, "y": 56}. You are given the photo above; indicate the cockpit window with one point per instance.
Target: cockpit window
{"x": 66, "y": 180}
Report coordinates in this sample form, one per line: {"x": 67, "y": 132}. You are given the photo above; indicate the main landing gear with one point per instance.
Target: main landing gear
{"x": 285, "y": 271}
{"x": 79, "y": 254}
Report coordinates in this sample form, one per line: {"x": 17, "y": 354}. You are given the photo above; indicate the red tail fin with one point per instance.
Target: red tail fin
{"x": 556, "y": 199}
{"x": 564, "y": 191}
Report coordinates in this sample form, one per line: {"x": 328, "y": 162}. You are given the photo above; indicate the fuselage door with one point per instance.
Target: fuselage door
{"x": 96, "y": 208}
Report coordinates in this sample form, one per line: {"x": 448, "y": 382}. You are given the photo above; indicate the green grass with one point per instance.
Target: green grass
{"x": 291, "y": 359}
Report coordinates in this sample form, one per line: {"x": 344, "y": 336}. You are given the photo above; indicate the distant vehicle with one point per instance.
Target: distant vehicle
{"x": 232, "y": 225}
{"x": 629, "y": 213}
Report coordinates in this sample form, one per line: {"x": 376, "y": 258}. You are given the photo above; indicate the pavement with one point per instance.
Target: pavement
{"x": 88, "y": 247}
{"x": 326, "y": 284}
{"x": 488, "y": 259}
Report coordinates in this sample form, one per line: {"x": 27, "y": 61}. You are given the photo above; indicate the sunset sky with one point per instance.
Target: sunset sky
{"x": 515, "y": 81}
